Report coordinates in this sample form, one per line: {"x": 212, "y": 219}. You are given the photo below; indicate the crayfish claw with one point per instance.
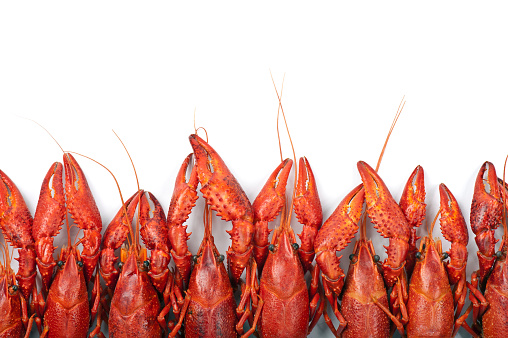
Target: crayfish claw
{"x": 388, "y": 219}
{"x": 267, "y": 205}
{"x": 486, "y": 210}
{"x": 412, "y": 204}
{"x": 183, "y": 200}
{"x": 16, "y": 224}
{"x": 335, "y": 234}
{"x": 307, "y": 207}
{"x": 412, "y": 201}
{"x": 154, "y": 231}
{"x": 270, "y": 200}
{"x": 384, "y": 212}
{"x": 225, "y": 196}
{"x": 453, "y": 225}
{"x": 80, "y": 201}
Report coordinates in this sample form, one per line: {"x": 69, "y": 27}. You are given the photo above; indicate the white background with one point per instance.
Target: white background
{"x": 142, "y": 69}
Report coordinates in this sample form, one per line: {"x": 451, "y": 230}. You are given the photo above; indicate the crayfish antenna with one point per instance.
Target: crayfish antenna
{"x": 135, "y": 236}
{"x": 198, "y": 128}
{"x": 305, "y": 199}
{"x": 47, "y": 131}
{"x": 286, "y": 212}
{"x": 432, "y": 226}
{"x": 397, "y": 115}
{"x": 281, "y": 109}
{"x": 278, "y": 111}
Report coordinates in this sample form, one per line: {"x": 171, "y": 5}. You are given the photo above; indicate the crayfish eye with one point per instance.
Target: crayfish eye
{"x": 60, "y": 264}
{"x": 146, "y": 264}
{"x": 351, "y": 257}
{"x": 271, "y": 247}
{"x": 120, "y": 265}
{"x": 445, "y": 256}
{"x": 13, "y": 289}
{"x": 423, "y": 246}
{"x": 195, "y": 258}
{"x": 376, "y": 258}
{"x": 418, "y": 255}
{"x": 220, "y": 259}
{"x": 80, "y": 264}
{"x": 499, "y": 254}
{"x": 295, "y": 246}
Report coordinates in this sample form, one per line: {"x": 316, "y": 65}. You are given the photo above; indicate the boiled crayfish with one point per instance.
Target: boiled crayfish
{"x": 135, "y": 310}
{"x": 489, "y": 289}
{"x": 287, "y": 308}
{"x": 16, "y": 222}
{"x": 209, "y": 306}
{"x": 429, "y": 288}
{"x": 66, "y": 310}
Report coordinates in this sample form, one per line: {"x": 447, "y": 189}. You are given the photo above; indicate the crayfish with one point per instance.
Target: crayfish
{"x": 364, "y": 297}
{"x": 133, "y": 285}
{"x": 66, "y": 310}
{"x": 429, "y": 288}
{"x": 288, "y": 309}
{"x": 489, "y": 285}
{"x": 16, "y": 222}
{"x": 209, "y": 305}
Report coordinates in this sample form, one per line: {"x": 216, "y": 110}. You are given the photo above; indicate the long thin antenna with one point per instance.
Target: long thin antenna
{"x": 363, "y": 224}
{"x": 288, "y": 218}
{"x": 207, "y": 218}
{"x": 278, "y": 112}
{"x": 139, "y": 197}
{"x": 130, "y": 158}
{"x": 399, "y": 111}
{"x": 203, "y": 128}
{"x": 40, "y": 125}
{"x": 195, "y": 130}
{"x": 289, "y": 135}
{"x": 432, "y": 226}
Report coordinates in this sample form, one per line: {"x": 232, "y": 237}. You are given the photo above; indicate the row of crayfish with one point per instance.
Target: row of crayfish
{"x": 418, "y": 290}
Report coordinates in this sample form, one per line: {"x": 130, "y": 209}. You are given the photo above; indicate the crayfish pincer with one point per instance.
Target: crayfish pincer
{"x": 225, "y": 196}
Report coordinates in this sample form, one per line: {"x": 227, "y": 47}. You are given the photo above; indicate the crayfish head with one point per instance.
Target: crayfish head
{"x": 209, "y": 256}
{"x": 8, "y": 287}
{"x": 133, "y": 261}
{"x": 70, "y": 264}
{"x": 284, "y": 244}
{"x": 364, "y": 268}
{"x": 364, "y": 255}
{"x": 431, "y": 253}
{"x": 209, "y": 276}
